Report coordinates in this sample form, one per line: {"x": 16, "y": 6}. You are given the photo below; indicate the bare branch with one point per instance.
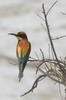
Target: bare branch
{"x": 51, "y": 7}
{"x": 63, "y": 13}
{"x": 42, "y": 54}
{"x": 34, "y": 85}
{"x": 59, "y": 37}
{"x": 37, "y": 55}
{"x": 48, "y": 32}
{"x": 40, "y": 17}
{"x": 38, "y": 66}
{"x": 43, "y": 27}
{"x": 49, "y": 60}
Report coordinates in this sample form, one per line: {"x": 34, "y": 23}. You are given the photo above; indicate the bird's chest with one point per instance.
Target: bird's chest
{"x": 22, "y": 49}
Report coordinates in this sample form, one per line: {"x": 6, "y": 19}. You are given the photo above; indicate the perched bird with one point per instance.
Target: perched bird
{"x": 22, "y": 50}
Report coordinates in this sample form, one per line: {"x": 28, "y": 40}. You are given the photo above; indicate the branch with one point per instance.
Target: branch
{"x": 48, "y": 60}
{"x": 40, "y": 16}
{"x": 51, "y": 7}
{"x": 59, "y": 37}
{"x": 63, "y": 13}
{"x": 48, "y": 32}
{"x": 34, "y": 85}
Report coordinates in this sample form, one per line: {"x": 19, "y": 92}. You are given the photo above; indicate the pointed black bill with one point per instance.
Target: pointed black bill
{"x": 12, "y": 34}
{"x": 19, "y": 35}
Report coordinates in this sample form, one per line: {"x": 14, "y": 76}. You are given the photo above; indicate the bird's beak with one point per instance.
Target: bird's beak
{"x": 13, "y": 34}
{"x": 16, "y": 35}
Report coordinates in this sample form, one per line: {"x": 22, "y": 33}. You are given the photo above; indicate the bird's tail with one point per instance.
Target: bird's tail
{"x": 20, "y": 72}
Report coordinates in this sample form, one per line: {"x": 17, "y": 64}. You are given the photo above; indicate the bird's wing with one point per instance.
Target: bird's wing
{"x": 26, "y": 57}
{"x": 28, "y": 52}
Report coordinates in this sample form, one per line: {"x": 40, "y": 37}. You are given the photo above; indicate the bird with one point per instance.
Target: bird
{"x": 23, "y": 50}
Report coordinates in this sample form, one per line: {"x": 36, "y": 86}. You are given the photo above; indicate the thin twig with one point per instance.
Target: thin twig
{"x": 63, "y": 13}
{"x": 37, "y": 55}
{"x": 14, "y": 64}
{"x": 34, "y": 85}
{"x": 44, "y": 59}
{"x": 40, "y": 17}
{"x": 51, "y": 7}
{"x": 43, "y": 27}
{"x": 59, "y": 37}
{"x": 38, "y": 67}
{"x": 49, "y": 60}
{"x": 50, "y": 74}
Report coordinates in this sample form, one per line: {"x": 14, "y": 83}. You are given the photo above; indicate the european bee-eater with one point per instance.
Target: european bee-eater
{"x": 22, "y": 50}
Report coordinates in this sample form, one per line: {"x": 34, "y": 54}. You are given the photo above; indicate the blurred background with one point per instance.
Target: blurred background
{"x": 21, "y": 15}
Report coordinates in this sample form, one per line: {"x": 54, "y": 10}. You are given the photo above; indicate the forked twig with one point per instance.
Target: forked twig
{"x": 34, "y": 85}
{"x": 48, "y": 32}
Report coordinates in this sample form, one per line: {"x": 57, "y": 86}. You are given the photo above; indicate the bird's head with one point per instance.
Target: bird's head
{"x": 19, "y": 35}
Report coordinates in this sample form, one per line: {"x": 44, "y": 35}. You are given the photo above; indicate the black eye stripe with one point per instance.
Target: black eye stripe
{"x": 22, "y": 35}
